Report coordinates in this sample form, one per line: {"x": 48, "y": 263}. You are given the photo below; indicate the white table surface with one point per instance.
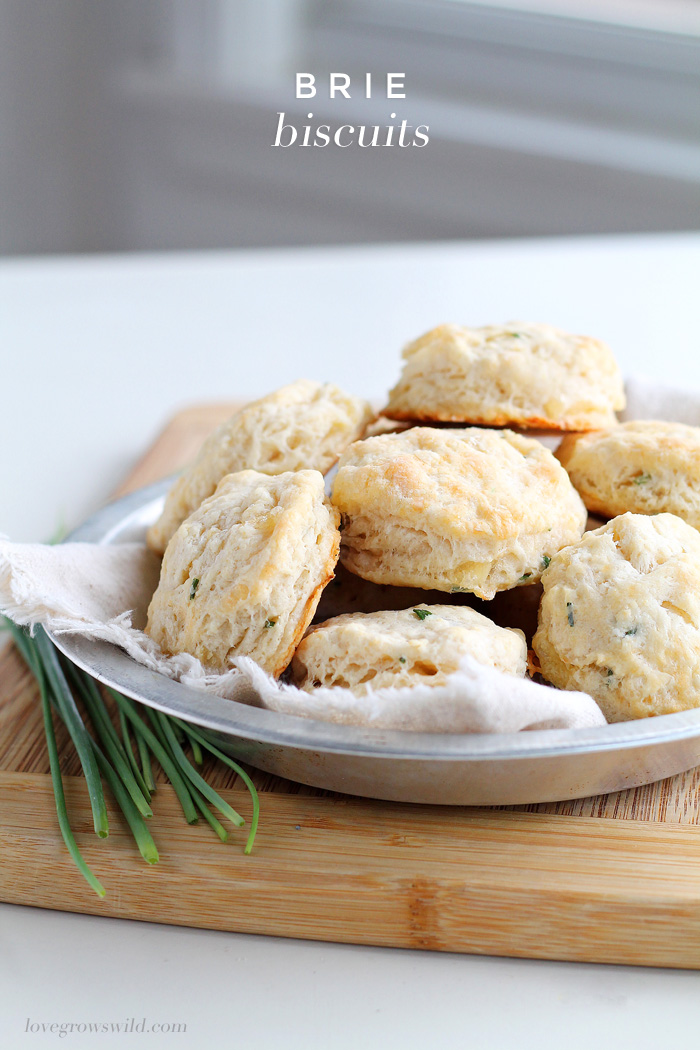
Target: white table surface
{"x": 96, "y": 354}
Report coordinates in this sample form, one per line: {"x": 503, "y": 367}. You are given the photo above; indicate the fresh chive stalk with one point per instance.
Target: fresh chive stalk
{"x": 196, "y": 749}
{"x": 135, "y": 771}
{"x": 113, "y": 757}
{"x": 110, "y": 741}
{"x": 193, "y": 776}
{"x": 146, "y": 767}
{"x": 179, "y": 733}
{"x": 27, "y": 648}
{"x": 169, "y": 768}
{"x": 142, "y": 836}
{"x": 203, "y": 808}
{"x": 76, "y": 727}
{"x": 232, "y": 764}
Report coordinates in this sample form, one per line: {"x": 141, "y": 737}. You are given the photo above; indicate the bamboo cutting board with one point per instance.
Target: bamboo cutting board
{"x": 608, "y": 879}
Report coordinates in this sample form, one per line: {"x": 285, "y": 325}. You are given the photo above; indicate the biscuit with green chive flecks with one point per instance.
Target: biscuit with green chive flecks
{"x": 243, "y": 574}
{"x": 520, "y": 374}
{"x": 470, "y": 510}
{"x": 303, "y": 425}
{"x": 407, "y": 647}
{"x": 643, "y": 466}
{"x": 620, "y": 617}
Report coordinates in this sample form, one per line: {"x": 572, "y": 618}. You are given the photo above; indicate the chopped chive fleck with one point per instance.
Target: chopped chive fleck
{"x": 195, "y": 585}
{"x": 609, "y": 672}
{"x": 643, "y": 479}
{"x": 570, "y": 613}
{"x": 546, "y": 560}
{"x": 515, "y": 335}
{"x": 270, "y": 623}
{"x": 422, "y": 613}
{"x": 402, "y": 659}
{"x": 459, "y": 590}
{"x": 525, "y": 576}
{"x": 632, "y": 630}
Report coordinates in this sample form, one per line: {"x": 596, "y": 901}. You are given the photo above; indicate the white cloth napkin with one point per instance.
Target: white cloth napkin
{"x": 102, "y": 592}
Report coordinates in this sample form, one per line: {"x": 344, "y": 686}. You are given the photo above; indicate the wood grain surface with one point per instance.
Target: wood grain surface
{"x": 614, "y": 878}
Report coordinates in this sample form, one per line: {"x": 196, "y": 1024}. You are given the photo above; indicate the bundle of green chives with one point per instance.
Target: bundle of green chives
{"x": 109, "y": 754}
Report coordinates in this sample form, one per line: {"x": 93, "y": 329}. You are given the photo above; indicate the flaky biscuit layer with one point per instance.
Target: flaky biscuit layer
{"x": 455, "y": 510}
{"x": 519, "y": 374}
{"x": 620, "y": 617}
{"x": 644, "y": 466}
{"x": 243, "y": 574}
{"x": 417, "y": 646}
{"x": 303, "y": 425}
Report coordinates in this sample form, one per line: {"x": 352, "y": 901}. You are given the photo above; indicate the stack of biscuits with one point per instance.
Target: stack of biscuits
{"x": 449, "y": 531}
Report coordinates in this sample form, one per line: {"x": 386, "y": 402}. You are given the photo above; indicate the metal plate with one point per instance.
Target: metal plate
{"x": 452, "y": 769}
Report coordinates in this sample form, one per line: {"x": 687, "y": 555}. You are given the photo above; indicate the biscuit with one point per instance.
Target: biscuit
{"x": 304, "y": 425}
{"x": 243, "y": 574}
{"x": 454, "y": 510}
{"x": 620, "y": 617}
{"x": 519, "y": 374}
{"x": 418, "y": 646}
{"x": 643, "y": 466}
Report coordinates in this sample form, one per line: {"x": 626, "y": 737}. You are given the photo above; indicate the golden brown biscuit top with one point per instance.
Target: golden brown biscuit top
{"x": 657, "y": 439}
{"x": 457, "y": 481}
{"x": 520, "y": 373}
{"x": 518, "y": 338}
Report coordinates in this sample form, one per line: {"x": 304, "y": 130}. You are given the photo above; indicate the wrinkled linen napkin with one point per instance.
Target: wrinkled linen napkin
{"x": 103, "y": 591}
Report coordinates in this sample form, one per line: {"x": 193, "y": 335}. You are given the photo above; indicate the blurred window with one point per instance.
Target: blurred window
{"x": 668, "y": 16}
{"x": 632, "y": 64}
